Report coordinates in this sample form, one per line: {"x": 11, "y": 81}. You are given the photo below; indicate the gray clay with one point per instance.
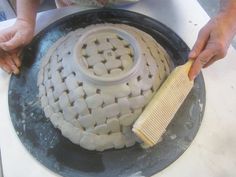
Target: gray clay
{"x": 95, "y": 81}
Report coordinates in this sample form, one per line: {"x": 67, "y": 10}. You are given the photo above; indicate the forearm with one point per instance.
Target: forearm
{"x": 26, "y": 10}
{"x": 228, "y": 5}
{"x": 228, "y": 13}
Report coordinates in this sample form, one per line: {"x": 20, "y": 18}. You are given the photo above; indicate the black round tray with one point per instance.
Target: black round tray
{"x": 57, "y": 153}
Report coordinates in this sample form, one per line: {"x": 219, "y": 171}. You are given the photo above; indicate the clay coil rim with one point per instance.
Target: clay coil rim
{"x": 114, "y": 79}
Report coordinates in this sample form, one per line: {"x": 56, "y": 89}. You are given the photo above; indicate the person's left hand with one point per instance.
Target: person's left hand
{"x": 212, "y": 43}
{"x": 10, "y": 61}
{"x": 12, "y": 39}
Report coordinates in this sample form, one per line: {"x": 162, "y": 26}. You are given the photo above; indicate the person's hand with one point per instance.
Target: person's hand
{"x": 12, "y": 40}
{"x": 212, "y": 43}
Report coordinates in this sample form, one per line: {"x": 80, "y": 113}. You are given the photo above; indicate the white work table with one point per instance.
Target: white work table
{"x": 213, "y": 151}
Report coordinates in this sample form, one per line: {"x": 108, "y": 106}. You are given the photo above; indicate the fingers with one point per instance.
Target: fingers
{"x": 201, "y": 61}
{"x": 4, "y": 66}
{"x": 6, "y": 34}
{"x": 203, "y": 37}
{"x": 214, "y": 59}
{"x": 15, "y": 42}
{"x": 215, "y": 50}
{"x": 212, "y": 43}
{"x": 16, "y": 59}
{"x": 10, "y": 63}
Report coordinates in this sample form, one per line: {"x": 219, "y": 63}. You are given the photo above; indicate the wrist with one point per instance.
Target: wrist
{"x": 227, "y": 5}
{"x": 228, "y": 16}
{"x": 26, "y": 11}
{"x": 28, "y": 22}
{"x": 228, "y": 10}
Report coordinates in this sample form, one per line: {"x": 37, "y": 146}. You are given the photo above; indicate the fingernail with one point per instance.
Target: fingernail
{"x": 13, "y": 67}
{"x": 15, "y": 70}
{"x": 192, "y": 54}
{"x": 193, "y": 78}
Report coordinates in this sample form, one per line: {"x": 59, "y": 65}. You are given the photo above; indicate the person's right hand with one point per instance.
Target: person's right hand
{"x": 12, "y": 40}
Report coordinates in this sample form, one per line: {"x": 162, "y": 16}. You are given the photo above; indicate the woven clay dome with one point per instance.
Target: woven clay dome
{"x": 95, "y": 82}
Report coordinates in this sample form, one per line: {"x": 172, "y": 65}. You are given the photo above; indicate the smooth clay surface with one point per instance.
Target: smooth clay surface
{"x": 99, "y": 115}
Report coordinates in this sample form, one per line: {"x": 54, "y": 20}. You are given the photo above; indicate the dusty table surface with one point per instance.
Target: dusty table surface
{"x": 212, "y": 152}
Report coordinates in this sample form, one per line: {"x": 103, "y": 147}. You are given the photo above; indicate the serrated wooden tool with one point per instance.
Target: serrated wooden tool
{"x": 157, "y": 115}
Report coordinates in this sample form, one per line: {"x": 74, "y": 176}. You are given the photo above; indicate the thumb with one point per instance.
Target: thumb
{"x": 15, "y": 42}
